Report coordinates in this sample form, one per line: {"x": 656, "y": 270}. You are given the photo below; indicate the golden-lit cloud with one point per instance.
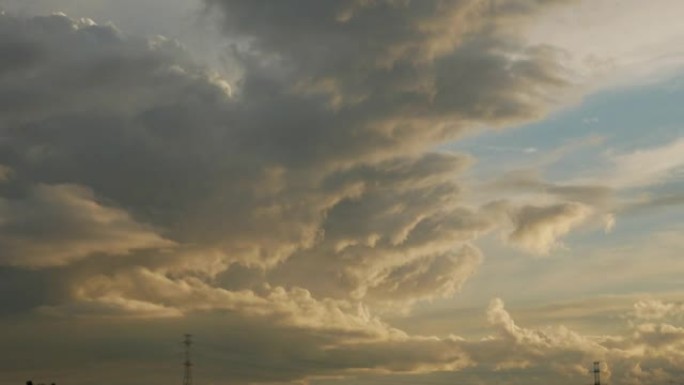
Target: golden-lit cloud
{"x": 57, "y": 225}
{"x": 291, "y": 211}
{"x": 537, "y": 228}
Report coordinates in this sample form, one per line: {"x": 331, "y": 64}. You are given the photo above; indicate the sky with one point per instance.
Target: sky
{"x": 342, "y": 192}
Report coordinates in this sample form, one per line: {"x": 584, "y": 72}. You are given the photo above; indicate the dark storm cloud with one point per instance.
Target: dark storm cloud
{"x": 56, "y": 225}
{"x": 277, "y": 169}
{"x": 149, "y": 180}
{"x": 132, "y": 121}
{"x": 400, "y": 75}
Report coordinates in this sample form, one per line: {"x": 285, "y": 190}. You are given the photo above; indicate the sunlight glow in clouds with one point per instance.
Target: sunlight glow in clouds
{"x": 293, "y": 213}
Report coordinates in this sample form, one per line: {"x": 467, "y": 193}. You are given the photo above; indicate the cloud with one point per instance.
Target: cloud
{"x": 419, "y": 76}
{"x": 441, "y": 275}
{"x": 530, "y": 181}
{"x": 214, "y": 169}
{"x": 652, "y": 202}
{"x": 657, "y": 310}
{"x": 141, "y": 293}
{"x": 301, "y": 201}
{"x": 568, "y": 354}
{"x": 375, "y": 245}
{"x": 659, "y": 335}
{"x": 333, "y": 337}
{"x": 56, "y": 225}
{"x": 646, "y": 167}
{"x": 537, "y": 228}
{"x": 145, "y": 129}
{"x": 610, "y": 58}
{"x": 534, "y": 342}
{"x": 111, "y": 306}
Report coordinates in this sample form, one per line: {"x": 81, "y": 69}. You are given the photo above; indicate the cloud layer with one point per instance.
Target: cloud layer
{"x": 283, "y": 172}
{"x": 304, "y": 201}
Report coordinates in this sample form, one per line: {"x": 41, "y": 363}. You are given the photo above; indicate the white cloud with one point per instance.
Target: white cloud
{"x": 648, "y": 166}
{"x": 601, "y": 45}
{"x": 538, "y": 228}
{"x": 652, "y": 309}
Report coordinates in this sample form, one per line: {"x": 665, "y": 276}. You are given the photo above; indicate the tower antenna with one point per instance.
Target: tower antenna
{"x": 597, "y": 373}
{"x": 187, "y": 376}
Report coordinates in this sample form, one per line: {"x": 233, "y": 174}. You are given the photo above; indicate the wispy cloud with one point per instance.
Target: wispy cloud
{"x": 648, "y": 166}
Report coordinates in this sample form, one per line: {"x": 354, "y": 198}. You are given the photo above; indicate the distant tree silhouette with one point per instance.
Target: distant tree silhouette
{"x": 29, "y": 382}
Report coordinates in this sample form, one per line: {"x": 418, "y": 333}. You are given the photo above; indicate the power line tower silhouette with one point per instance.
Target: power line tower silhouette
{"x": 597, "y": 373}
{"x": 187, "y": 375}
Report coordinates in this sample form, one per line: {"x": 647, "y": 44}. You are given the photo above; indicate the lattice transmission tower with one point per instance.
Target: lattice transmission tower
{"x": 597, "y": 373}
{"x": 187, "y": 364}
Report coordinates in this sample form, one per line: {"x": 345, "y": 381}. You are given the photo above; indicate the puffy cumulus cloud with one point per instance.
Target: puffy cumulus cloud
{"x": 291, "y": 335}
{"x": 56, "y": 225}
{"x": 96, "y": 66}
{"x": 501, "y": 319}
{"x": 651, "y": 309}
{"x": 537, "y": 228}
{"x": 404, "y": 237}
{"x": 141, "y": 292}
{"x": 295, "y": 205}
{"x": 137, "y": 122}
{"x": 518, "y": 353}
{"x": 134, "y": 123}
{"x": 441, "y": 275}
{"x": 659, "y": 336}
{"x": 651, "y": 353}
{"x": 647, "y": 351}
{"x": 515, "y": 347}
